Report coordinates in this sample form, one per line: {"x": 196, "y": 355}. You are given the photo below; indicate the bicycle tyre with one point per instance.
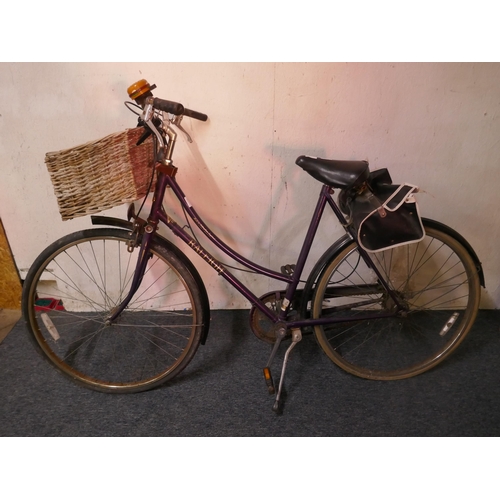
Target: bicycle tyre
{"x": 437, "y": 280}
{"x": 75, "y": 283}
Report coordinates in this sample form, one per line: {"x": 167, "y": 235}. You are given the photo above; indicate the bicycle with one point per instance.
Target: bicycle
{"x": 128, "y": 310}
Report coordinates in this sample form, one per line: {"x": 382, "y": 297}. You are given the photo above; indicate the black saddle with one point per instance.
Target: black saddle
{"x": 335, "y": 173}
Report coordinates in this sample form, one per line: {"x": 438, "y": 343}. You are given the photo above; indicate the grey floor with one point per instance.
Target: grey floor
{"x": 222, "y": 393}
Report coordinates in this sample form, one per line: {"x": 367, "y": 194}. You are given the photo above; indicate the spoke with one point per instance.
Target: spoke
{"x": 154, "y": 282}
{"x": 420, "y": 263}
{"x": 98, "y": 268}
{"x": 455, "y": 287}
{"x": 157, "y": 296}
{"x": 91, "y": 274}
{"x": 88, "y": 338}
{"x": 354, "y": 270}
{"x": 73, "y": 286}
{"x": 367, "y": 337}
{"x": 156, "y": 345}
{"x": 67, "y": 314}
{"x": 436, "y": 306}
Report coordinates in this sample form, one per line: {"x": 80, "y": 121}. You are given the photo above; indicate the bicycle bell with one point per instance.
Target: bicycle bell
{"x": 140, "y": 90}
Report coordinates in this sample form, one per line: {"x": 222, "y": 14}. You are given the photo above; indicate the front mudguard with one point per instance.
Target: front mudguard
{"x": 168, "y": 245}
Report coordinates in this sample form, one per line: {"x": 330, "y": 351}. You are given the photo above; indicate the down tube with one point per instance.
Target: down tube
{"x": 291, "y": 281}
{"x": 218, "y": 242}
{"x": 237, "y": 284}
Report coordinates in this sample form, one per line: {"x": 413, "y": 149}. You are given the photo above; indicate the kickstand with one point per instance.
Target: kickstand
{"x": 296, "y": 338}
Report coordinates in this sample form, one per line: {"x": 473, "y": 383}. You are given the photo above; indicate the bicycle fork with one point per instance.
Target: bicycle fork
{"x": 142, "y": 260}
{"x": 143, "y": 231}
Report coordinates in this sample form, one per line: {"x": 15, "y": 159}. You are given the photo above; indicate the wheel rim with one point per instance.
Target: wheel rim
{"x": 71, "y": 298}
{"x": 436, "y": 280}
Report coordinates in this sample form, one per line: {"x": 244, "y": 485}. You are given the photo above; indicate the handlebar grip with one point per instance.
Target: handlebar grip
{"x": 195, "y": 114}
{"x": 172, "y": 107}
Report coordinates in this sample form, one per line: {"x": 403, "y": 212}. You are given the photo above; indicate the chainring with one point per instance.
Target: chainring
{"x": 261, "y": 325}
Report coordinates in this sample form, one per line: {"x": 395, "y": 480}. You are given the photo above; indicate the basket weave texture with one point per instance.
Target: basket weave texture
{"x": 101, "y": 174}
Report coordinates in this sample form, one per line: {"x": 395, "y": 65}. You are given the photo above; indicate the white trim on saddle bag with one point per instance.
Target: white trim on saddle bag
{"x": 381, "y": 211}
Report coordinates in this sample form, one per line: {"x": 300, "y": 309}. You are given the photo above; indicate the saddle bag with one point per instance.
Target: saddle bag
{"x": 384, "y": 215}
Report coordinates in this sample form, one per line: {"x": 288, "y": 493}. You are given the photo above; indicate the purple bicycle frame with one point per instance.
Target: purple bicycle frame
{"x": 158, "y": 214}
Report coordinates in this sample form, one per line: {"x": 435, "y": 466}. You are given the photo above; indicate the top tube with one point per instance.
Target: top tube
{"x": 218, "y": 242}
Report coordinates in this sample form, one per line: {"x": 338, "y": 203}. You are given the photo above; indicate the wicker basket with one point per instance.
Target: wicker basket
{"x": 101, "y": 174}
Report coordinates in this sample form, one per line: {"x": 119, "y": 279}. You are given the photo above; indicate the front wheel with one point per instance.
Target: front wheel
{"x": 69, "y": 295}
{"x": 435, "y": 279}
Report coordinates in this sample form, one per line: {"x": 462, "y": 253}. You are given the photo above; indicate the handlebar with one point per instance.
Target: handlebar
{"x": 176, "y": 108}
{"x": 195, "y": 114}
{"x": 141, "y": 93}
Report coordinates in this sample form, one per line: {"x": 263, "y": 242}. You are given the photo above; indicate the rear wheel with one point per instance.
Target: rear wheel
{"x": 74, "y": 285}
{"x": 435, "y": 279}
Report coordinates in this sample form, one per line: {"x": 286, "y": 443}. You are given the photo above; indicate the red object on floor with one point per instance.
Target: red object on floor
{"x": 47, "y": 304}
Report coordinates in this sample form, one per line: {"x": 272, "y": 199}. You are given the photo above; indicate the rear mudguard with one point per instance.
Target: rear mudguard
{"x": 111, "y": 221}
{"x": 307, "y": 292}
{"x": 346, "y": 240}
{"x": 451, "y": 232}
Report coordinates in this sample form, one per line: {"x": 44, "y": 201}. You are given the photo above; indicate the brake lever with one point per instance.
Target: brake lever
{"x": 147, "y": 132}
{"x": 177, "y": 122}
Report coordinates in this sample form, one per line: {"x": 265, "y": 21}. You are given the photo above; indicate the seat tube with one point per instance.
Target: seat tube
{"x": 304, "y": 252}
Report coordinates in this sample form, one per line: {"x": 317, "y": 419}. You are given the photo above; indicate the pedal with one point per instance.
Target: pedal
{"x": 280, "y": 335}
{"x": 288, "y": 269}
{"x": 269, "y": 380}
